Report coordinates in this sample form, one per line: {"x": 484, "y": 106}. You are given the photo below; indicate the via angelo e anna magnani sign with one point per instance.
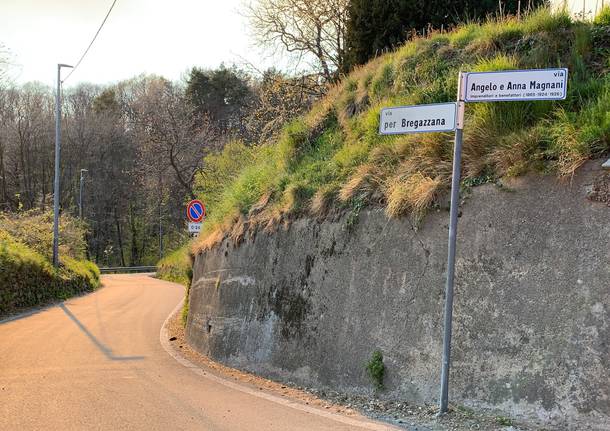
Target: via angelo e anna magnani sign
{"x": 515, "y": 85}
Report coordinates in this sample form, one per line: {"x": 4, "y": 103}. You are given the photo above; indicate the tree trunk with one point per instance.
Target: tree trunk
{"x": 134, "y": 259}
{"x": 119, "y": 237}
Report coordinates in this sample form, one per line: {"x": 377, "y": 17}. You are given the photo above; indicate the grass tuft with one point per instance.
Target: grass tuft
{"x": 413, "y": 194}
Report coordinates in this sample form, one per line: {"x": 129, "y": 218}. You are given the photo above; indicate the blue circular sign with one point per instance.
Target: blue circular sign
{"x": 195, "y": 211}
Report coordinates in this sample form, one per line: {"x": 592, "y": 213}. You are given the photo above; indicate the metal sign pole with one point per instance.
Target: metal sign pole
{"x": 56, "y": 192}
{"x": 57, "y": 160}
{"x": 455, "y": 196}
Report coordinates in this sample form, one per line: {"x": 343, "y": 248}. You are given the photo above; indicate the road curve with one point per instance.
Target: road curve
{"x": 96, "y": 363}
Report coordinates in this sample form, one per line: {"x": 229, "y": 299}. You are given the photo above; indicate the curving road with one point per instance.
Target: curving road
{"x": 96, "y": 363}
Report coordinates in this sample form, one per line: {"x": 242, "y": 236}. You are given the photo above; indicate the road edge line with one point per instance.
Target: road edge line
{"x": 164, "y": 340}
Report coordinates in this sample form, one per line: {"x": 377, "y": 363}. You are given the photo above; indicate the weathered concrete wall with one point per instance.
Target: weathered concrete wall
{"x": 311, "y": 302}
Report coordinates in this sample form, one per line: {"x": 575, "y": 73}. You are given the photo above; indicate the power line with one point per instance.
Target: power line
{"x": 92, "y": 40}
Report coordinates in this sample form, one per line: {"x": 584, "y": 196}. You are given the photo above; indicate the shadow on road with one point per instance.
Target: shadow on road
{"x": 105, "y": 350}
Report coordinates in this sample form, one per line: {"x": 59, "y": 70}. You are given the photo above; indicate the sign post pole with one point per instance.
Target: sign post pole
{"x": 453, "y": 219}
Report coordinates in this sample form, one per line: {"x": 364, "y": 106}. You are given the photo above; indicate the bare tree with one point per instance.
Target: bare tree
{"x": 4, "y": 63}
{"x": 279, "y": 100}
{"x": 305, "y": 28}
{"x": 169, "y": 136}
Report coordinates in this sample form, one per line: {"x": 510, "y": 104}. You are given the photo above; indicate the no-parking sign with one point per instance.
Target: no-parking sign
{"x": 195, "y": 211}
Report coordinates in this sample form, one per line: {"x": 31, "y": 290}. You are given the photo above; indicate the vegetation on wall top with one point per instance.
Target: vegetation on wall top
{"x": 334, "y": 157}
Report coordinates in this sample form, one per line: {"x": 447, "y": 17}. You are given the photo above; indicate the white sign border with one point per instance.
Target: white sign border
{"x": 565, "y": 87}
{"x": 419, "y": 131}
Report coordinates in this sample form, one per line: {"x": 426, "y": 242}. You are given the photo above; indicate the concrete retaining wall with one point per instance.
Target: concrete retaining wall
{"x": 311, "y": 302}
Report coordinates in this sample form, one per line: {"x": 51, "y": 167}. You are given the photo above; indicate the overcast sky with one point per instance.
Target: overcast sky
{"x": 165, "y": 37}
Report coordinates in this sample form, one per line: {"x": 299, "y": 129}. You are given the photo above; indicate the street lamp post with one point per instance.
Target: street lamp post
{"x": 80, "y": 193}
{"x": 57, "y": 160}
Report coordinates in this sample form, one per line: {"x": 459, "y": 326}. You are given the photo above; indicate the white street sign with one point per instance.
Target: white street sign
{"x": 437, "y": 117}
{"x": 194, "y": 227}
{"x": 516, "y": 85}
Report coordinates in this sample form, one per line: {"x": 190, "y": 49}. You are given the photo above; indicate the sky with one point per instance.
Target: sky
{"x": 164, "y": 37}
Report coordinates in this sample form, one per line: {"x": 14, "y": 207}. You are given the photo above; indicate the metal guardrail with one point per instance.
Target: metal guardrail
{"x": 127, "y": 269}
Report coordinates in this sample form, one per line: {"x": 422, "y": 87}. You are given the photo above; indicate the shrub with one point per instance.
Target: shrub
{"x": 35, "y": 229}
{"x": 28, "y": 279}
{"x": 376, "y": 369}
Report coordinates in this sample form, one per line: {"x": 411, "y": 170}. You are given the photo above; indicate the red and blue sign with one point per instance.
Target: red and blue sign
{"x": 195, "y": 211}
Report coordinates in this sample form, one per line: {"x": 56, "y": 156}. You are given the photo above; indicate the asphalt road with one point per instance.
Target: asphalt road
{"x": 96, "y": 363}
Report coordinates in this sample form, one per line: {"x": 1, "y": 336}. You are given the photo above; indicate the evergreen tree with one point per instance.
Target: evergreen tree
{"x": 377, "y": 25}
{"x": 221, "y": 94}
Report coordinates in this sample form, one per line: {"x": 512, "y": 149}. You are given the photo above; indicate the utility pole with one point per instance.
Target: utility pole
{"x": 80, "y": 194}
{"x": 57, "y": 161}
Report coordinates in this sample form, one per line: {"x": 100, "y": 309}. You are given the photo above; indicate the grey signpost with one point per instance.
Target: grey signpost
{"x": 453, "y": 219}
{"x": 500, "y": 86}
{"x": 497, "y": 86}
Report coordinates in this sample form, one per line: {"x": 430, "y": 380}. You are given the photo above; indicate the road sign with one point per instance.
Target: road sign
{"x": 195, "y": 211}
{"x": 516, "y": 85}
{"x": 437, "y": 117}
{"x": 195, "y": 227}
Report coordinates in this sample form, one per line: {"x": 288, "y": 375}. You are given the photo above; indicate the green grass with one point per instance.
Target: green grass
{"x": 504, "y": 421}
{"x": 177, "y": 267}
{"x": 35, "y": 229}
{"x": 334, "y": 153}
{"x": 28, "y": 279}
{"x": 603, "y": 17}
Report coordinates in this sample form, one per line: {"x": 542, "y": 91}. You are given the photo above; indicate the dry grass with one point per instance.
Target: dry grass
{"x": 432, "y": 156}
{"x": 413, "y": 194}
{"x": 363, "y": 181}
{"x": 323, "y": 200}
{"x": 239, "y": 229}
{"x": 209, "y": 241}
{"x": 516, "y": 154}
{"x": 260, "y": 204}
{"x": 274, "y": 218}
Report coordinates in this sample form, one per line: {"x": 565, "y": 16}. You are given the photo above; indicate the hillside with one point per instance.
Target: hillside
{"x": 27, "y": 276}
{"x": 333, "y": 157}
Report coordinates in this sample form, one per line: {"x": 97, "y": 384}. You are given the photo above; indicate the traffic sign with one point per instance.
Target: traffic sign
{"x": 516, "y": 85}
{"x": 436, "y": 117}
{"x": 195, "y": 211}
{"x": 195, "y": 227}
